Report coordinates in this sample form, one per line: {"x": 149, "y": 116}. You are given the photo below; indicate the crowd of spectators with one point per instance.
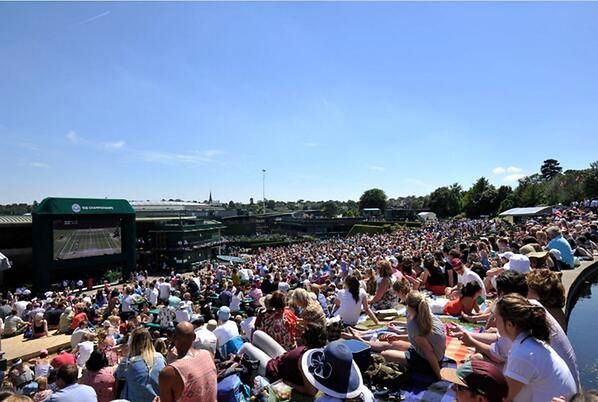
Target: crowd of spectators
{"x": 281, "y": 315}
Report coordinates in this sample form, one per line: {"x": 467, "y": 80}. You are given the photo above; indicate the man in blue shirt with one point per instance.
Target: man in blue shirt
{"x": 70, "y": 391}
{"x": 560, "y": 243}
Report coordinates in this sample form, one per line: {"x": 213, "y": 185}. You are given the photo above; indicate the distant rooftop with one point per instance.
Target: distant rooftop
{"x": 527, "y": 211}
{"x": 15, "y": 220}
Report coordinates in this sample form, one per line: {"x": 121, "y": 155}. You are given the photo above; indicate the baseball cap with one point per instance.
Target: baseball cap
{"x": 223, "y": 313}
{"x": 456, "y": 262}
{"x": 479, "y": 376}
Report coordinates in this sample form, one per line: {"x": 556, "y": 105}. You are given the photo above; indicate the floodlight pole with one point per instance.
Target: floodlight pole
{"x": 264, "y": 190}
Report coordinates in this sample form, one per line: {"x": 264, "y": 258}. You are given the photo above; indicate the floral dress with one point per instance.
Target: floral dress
{"x": 281, "y": 325}
{"x": 389, "y": 300}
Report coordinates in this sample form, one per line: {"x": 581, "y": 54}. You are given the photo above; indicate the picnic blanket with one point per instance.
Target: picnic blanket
{"x": 456, "y": 351}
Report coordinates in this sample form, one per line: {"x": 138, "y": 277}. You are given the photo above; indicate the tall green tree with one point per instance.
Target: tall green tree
{"x": 590, "y": 181}
{"x": 446, "y": 201}
{"x": 550, "y": 168}
{"x": 330, "y": 209}
{"x": 480, "y": 199}
{"x": 373, "y": 198}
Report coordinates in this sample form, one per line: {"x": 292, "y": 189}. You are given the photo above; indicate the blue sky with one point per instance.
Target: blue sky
{"x": 170, "y": 100}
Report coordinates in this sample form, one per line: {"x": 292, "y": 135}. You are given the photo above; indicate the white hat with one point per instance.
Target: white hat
{"x": 518, "y": 263}
{"x": 506, "y": 254}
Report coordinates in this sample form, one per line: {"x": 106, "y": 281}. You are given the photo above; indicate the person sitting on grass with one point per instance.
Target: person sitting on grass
{"x": 420, "y": 350}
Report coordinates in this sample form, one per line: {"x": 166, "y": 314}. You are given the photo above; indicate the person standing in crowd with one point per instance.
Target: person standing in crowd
{"x": 164, "y": 289}
{"x": 100, "y": 376}
{"x": 192, "y": 377}
{"x": 141, "y": 368}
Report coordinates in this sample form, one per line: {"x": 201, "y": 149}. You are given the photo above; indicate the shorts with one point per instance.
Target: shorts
{"x": 418, "y": 364}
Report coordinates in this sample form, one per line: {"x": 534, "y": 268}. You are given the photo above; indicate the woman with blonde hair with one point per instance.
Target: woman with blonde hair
{"x": 311, "y": 311}
{"x": 42, "y": 392}
{"x": 420, "y": 350}
{"x": 534, "y": 371}
{"x": 141, "y": 368}
{"x": 39, "y": 326}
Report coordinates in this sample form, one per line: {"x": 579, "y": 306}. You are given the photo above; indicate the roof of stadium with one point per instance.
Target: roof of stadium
{"x": 527, "y": 211}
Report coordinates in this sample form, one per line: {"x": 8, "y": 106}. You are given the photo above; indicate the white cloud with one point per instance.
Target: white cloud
{"x": 377, "y": 168}
{"x": 513, "y": 169}
{"x": 192, "y": 157}
{"x": 513, "y": 177}
{"x": 196, "y": 157}
{"x": 39, "y": 165}
{"x": 115, "y": 145}
{"x": 499, "y": 170}
{"x": 73, "y": 137}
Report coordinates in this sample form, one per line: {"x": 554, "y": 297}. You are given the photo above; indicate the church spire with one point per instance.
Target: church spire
{"x": 210, "y": 199}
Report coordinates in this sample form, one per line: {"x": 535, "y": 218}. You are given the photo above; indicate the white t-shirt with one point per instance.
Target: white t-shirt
{"x": 127, "y": 304}
{"x": 235, "y": 303}
{"x": 20, "y": 307}
{"x": 541, "y": 370}
{"x": 85, "y": 349}
{"x": 470, "y": 276}
{"x": 152, "y": 296}
{"x": 182, "y": 314}
{"x": 559, "y": 341}
{"x": 244, "y": 273}
{"x": 205, "y": 339}
{"x": 349, "y": 310}
{"x": 225, "y": 332}
{"x": 77, "y": 335}
{"x": 164, "y": 288}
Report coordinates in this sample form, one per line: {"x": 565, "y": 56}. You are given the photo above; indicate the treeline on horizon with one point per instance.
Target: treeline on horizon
{"x": 550, "y": 186}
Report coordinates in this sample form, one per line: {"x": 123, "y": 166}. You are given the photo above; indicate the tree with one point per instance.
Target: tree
{"x": 373, "y": 198}
{"x": 231, "y": 205}
{"x": 480, "y": 199}
{"x": 550, "y": 168}
{"x": 590, "y": 181}
{"x": 530, "y": 191}
{"x": 330, "y": 209}
{"x": 446, "y": 201}
{"x": 270, "y": 204}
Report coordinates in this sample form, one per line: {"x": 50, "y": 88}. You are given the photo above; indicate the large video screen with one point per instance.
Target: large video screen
{"x": 86, "y": 238}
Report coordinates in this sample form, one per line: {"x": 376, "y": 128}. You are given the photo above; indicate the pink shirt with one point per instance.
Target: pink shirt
{"x": 102, "y": 381}
{"x": 198, "y": 373}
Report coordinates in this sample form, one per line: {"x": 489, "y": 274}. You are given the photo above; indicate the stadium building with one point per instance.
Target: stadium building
{"x": 74, "y": 239}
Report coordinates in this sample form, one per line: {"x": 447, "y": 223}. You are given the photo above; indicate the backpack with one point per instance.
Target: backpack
{"x": 231, "y": 389}
{"x": 231, "y": 347}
